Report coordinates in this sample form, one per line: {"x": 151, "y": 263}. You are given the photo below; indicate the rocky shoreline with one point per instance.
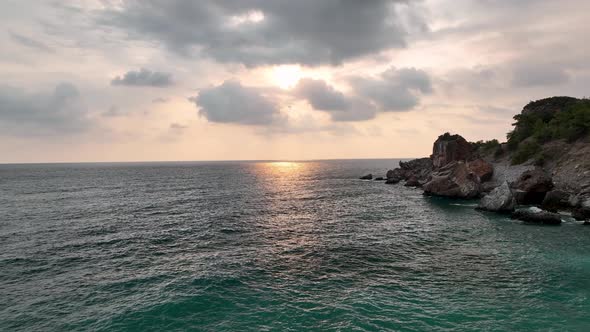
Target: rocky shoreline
{"x": 554, "y": 179}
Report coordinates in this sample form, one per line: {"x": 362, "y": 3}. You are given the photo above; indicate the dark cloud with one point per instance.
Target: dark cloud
{"x": 40, "y": 114}
{"x": 256, "y": 32}
{"x": 394, "y": 90}
{"x": 540, "y": 74}
{"x": 323, "y": 97}
{"x": 144, "y": 77}
{"x": 231, "y": 102}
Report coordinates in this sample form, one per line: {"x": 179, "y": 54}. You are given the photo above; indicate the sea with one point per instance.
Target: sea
{"x": 273, "y": 246}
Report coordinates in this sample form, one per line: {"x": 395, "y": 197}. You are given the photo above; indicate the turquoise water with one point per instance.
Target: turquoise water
{"x": 272, "y": 247}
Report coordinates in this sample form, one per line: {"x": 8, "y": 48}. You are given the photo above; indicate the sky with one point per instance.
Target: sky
{"x": 171, "y": 80}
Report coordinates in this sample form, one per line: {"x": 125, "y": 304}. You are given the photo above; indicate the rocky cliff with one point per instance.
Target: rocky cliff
{"x": 545, "y": 162}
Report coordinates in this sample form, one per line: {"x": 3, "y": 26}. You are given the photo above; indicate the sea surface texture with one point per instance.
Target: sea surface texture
{"x": 273, "y": 246}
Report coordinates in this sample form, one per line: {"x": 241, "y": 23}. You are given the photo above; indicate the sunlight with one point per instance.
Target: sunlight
{"x": 286, "y": 76}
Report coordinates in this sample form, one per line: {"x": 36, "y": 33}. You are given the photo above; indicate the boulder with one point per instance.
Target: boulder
{"x": 453, "y": 180}
{"x": 481, "y": 168}
{"x": 500, "y": 200}
{"x": 582, "y": 209}
{"x": 556, "y": 200}
{"x": 367, "y": 177}
{"x": 450, "y": 148}
{"x": 537, "y": 216}
{"x": 413, "y": 182}
{"x": 395, "y": 176}
{"x": 532, "y": 186}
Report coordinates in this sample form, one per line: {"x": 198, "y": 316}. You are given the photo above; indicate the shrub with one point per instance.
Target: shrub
{"x": 525, "y": 152}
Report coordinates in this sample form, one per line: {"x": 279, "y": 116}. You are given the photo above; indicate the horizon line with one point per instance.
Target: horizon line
{"x": 196, "y": 161}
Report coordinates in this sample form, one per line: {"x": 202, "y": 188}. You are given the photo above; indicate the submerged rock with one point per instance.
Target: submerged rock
{"x": 537, "y": 216}
{"x": 500, "y": 200}
{"x": 453, "y": 180}
{"x": 532, "y": 186}
{"x": 367, "y": 177}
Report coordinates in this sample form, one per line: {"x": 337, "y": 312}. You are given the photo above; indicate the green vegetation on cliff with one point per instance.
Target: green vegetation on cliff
{"x": 546, "y": 120}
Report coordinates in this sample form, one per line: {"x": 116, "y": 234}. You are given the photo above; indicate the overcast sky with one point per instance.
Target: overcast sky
{"x": 146, "y": 80}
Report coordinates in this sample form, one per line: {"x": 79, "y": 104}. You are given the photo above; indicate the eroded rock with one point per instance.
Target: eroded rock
{"x": 453, "y": 180}
{"x": 500, "y": 200}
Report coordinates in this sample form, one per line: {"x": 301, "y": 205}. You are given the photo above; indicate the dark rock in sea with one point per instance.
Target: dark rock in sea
{"x": 418, "y": 168}
{"x": 482, "y": 169}
{"x": 499, "y": 200}
{"x": 395, "y": 176}
{"x": 380, "y": 179}
{"x": 532, "y": 186}
{"x": 413, "y": 182}
{"x": 449, "y": 148}
{"x": 537, "y": 216}
{"x": 582, "y": 208}
{"x": 367, "y": 177}
{"x": 453, "y": 180}
{"x": 556, "y": 200}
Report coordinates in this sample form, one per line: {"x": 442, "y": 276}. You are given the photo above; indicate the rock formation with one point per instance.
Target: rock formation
{"x": 537, "y": 216}
{"x": 453, "y": 180}
{"x": 448, "y": 148}
{"x": 367, "y": 177}
{"x": 532, "y": 186}
{"x": 499, "y": 200}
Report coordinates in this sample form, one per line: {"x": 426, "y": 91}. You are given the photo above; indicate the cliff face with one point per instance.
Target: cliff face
{"x": 448, "y": 148}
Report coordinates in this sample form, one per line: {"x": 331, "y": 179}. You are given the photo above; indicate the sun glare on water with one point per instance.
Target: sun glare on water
{"x": 286, "y": 76}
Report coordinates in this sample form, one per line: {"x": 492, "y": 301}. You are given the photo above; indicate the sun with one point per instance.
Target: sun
{"x": 286, "y": 76}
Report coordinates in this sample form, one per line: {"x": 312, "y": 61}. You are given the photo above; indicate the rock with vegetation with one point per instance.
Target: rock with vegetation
{"x": 499, "y": 200}
{"x": 537, "y": 216}
{"x": 454, "y": 180}
{"x": 449, "y": 148}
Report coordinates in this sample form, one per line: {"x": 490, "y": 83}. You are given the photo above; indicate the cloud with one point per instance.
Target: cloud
{"x": 144, "y": 77}
{"x": 160, "y": 100}
{"x": 231, "y": 102}
{"x": 31, "y": 43}
{"x": 323, "y": 97}
{"x": 43, "y": 113}
{"x": 543, "y": 74}
{"x": 113, "y": 111}
{"x": 257, "y": 32}
{"x": 395, "y": 90}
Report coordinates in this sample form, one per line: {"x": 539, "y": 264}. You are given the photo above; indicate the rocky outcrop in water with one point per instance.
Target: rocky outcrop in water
{"x": 453, "y": 180}
{"x": 418, "y": 170}
{"x": 499, "y": 200}
{"x": 367, "y": 177}
{"x": 537, "y": 216}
